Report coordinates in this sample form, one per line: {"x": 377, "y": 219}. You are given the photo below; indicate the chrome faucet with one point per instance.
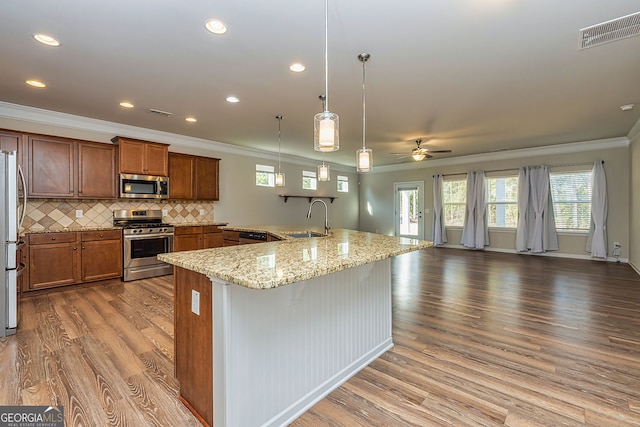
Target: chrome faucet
{"x": 326, "y": 214}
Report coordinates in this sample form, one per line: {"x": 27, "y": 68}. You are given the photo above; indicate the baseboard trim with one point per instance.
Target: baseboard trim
{"x": 548, "y": 254}
{"x": 635, "y": 267}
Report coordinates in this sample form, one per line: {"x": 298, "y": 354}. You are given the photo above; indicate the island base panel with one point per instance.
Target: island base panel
{"x": 193, "y": 343}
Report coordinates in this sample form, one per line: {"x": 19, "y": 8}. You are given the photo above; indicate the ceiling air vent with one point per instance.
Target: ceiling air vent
{"x": 160, "y": 112}
{"x": 610, "y": 31}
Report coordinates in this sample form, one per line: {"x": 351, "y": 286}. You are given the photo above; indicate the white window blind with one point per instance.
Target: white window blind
{"x": 571, "y": 193}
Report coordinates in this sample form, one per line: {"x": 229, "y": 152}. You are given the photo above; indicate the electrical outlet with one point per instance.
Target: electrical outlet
{"x": 165, "y": 212}
{"x": 616, "y": 244}
{"x": 79, "y": 213}
{"x": 195, "y": 302}
{"x": 201, "y": 212}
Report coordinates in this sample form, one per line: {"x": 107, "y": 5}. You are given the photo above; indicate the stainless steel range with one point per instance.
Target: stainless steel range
{"x": 144, "y": 237}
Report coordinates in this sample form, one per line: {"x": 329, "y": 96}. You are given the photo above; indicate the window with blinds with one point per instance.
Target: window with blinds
{"x": 265, "y": 176}
{"x": 309, "y": 180}
{"x": 571, "y": 193}
{"x": 502, "y": 201}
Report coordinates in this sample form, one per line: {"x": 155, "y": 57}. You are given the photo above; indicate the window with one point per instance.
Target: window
{"x": 454, "y": 196}
{"x": 309, "y": 181}
{"x": 502, "y": 202}
{"x": 343, "y": 184}
{"x": 571, "y": 193}
{"x": 265, "y": 176}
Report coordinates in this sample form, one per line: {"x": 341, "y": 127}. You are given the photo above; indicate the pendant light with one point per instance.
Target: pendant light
{"x": 326, "y": 135}
{"x": 323, "y": 172}
{"x": 279, "y": 175}
{"x": 364, "y": 155}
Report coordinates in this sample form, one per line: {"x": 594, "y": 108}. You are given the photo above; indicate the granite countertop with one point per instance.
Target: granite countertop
{"x": 198, "y": 224}
{"x": 68, "y": 229}
{"x": 273, "y": 264}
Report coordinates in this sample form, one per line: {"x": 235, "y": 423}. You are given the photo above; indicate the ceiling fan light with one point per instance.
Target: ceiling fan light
{"x": 417, "y": 154}
{"x": 365, "y": 159}
{"x": 326, "y": 135}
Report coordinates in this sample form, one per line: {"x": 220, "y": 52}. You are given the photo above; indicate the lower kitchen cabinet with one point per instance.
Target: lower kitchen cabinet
{"x": 231, "y": 238}
{"x": 191, "y": 238}
{"x": 101, "y": 255}
{"x": 69, "y": 258}
{"x": 54, "y": 260}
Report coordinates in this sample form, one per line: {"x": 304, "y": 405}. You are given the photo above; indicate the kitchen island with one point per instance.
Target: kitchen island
{"x": 264, "y": 331}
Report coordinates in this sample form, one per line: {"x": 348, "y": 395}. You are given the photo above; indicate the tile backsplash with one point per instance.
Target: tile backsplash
{"x": 61, "y": 214}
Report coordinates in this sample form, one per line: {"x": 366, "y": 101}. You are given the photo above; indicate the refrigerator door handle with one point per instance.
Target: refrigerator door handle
{"x": 24, "y": 197}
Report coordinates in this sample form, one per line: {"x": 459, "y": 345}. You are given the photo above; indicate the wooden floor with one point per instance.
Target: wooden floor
{"x": 481, "y": 339}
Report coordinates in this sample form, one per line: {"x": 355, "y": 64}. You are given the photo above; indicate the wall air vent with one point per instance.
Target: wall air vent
{"x": 610, "y": 31}
{"x": 160, "y": 112}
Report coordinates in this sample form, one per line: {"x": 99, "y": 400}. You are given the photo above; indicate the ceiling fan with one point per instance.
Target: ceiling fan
{"x": 419, "y": 153}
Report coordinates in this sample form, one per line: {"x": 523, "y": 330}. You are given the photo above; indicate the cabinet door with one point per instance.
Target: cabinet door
{"x": 131, "y": 156}
{"x": 181, "y": 176}
{"x": 51, "y": 167}
{"x": 101, "y": 259}
{"x": 97, "y": 171}
{"x": 212, "y": 240}
{"x": 53, "y": 264}
{"x": 156, "y": 159}
{"x": 187, "y": 242}
{"x": 207, "y": 178}
{"x": 9, "y": 141}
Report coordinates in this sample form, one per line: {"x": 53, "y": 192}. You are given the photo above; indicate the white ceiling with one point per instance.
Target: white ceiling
{"x": 473, "y": 76}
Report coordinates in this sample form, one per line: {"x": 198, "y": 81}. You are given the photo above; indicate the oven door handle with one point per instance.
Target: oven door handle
{"x": 147, "y": 236}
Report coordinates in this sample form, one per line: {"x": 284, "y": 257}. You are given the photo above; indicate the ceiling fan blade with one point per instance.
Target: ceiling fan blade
{"x": 438, "y": 151}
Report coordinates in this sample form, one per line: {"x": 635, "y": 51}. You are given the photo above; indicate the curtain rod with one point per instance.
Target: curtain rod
{"x": 562, "y": 165}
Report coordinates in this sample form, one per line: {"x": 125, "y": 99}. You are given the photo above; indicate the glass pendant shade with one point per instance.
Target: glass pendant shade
{"x": 326, "y": 135}
{"x": 365, "y": 159}
{"x": 279, "y": 176}
{"x": 323, "y": 172}
{"x": 279, "y": 179}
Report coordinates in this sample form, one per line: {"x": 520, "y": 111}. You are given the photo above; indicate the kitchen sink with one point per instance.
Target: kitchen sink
{"x": 308, "y": 234}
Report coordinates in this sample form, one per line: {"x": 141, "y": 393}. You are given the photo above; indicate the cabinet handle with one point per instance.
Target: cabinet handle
{"x": 75, "y": 249}
{"x": 53, "y": 238}
{"x": 101, "y": 235}
{"x": 83, "y": 248}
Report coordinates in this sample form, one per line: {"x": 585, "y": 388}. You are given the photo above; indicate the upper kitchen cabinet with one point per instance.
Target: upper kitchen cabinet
{"x": 51, "y": 167}
{"x": 97, "y": 170}
{"x": 142, "y": 157}
{"x": 60, "y": 167}
{"x": 182, "y": 175}
{"x": 193, "y": 177}
{"x": 10, "y": 141}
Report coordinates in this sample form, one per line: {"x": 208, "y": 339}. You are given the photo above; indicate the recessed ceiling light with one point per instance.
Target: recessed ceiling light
{"x": 627, "y": 107}
{"x": 191, "y": 119}
{"x": 126, "y": 104}
{"x": 297, "y": 67}
{"x": 35, "y": 83}
{"x": 232, "y": 99}
{"x": 45, "y": 39}
{"x": 216, "y": 26}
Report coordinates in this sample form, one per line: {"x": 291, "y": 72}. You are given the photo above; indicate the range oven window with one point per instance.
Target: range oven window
{"x": 150, "y": 247}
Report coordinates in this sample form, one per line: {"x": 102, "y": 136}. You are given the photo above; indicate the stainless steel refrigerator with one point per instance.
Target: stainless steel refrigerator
{"x": 10, "y": 223}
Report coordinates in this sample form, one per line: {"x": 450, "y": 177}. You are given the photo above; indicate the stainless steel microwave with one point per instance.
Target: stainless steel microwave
{"x": 144, "y": 186}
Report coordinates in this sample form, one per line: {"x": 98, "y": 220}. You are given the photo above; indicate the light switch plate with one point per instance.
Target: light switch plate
{"x": 165, "y": 212}
{"x": 195, "y": 302}
{"x": 201, "y": 212}
{"x": 79, "y": 213}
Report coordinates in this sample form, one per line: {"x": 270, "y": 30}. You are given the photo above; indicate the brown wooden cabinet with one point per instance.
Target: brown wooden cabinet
{"x": 190, "y": 238}
{"x": 60, "y": 167}
{"x": 68, "y": 258}
{"x": 51, "y": 167}
{"x": 142, "y": 157}
{"x": 230, "y": 237}
{"x": 101, "y": 255}
{"x": 11, "y": 141}
{"x": 193, "y": 177}
{"x": 97, "y": 170}
{"x": 54, "y": 260}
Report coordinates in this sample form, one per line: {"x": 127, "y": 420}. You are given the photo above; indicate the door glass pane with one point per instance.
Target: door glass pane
{"x": 408, "y": 211}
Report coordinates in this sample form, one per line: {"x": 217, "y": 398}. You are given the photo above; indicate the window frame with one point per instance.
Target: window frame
{"x": 557, "y": 203}
{"x": 344, "y": 180}
{"x": 488, "y": 202}
{"x": 269, "y": 172}
{"x": 462, "y": 204}
{"x": 312, "y": 177}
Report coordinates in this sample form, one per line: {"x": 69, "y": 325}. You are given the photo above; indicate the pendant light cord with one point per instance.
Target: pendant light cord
{"x": 364, "y": 98}
{"x": 279, "y": 140}
{"x": 326, "y": 54}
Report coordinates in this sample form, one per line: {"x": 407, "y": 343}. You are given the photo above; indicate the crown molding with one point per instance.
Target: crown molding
{"x": 111, "y": 129}
{"x": 547, "y": 150}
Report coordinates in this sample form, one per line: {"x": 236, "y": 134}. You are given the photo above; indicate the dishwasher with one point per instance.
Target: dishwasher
{"x": 251, "y": 237}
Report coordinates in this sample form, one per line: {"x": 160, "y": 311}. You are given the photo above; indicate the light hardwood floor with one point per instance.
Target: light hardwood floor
{"x": 481, "y": 339}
